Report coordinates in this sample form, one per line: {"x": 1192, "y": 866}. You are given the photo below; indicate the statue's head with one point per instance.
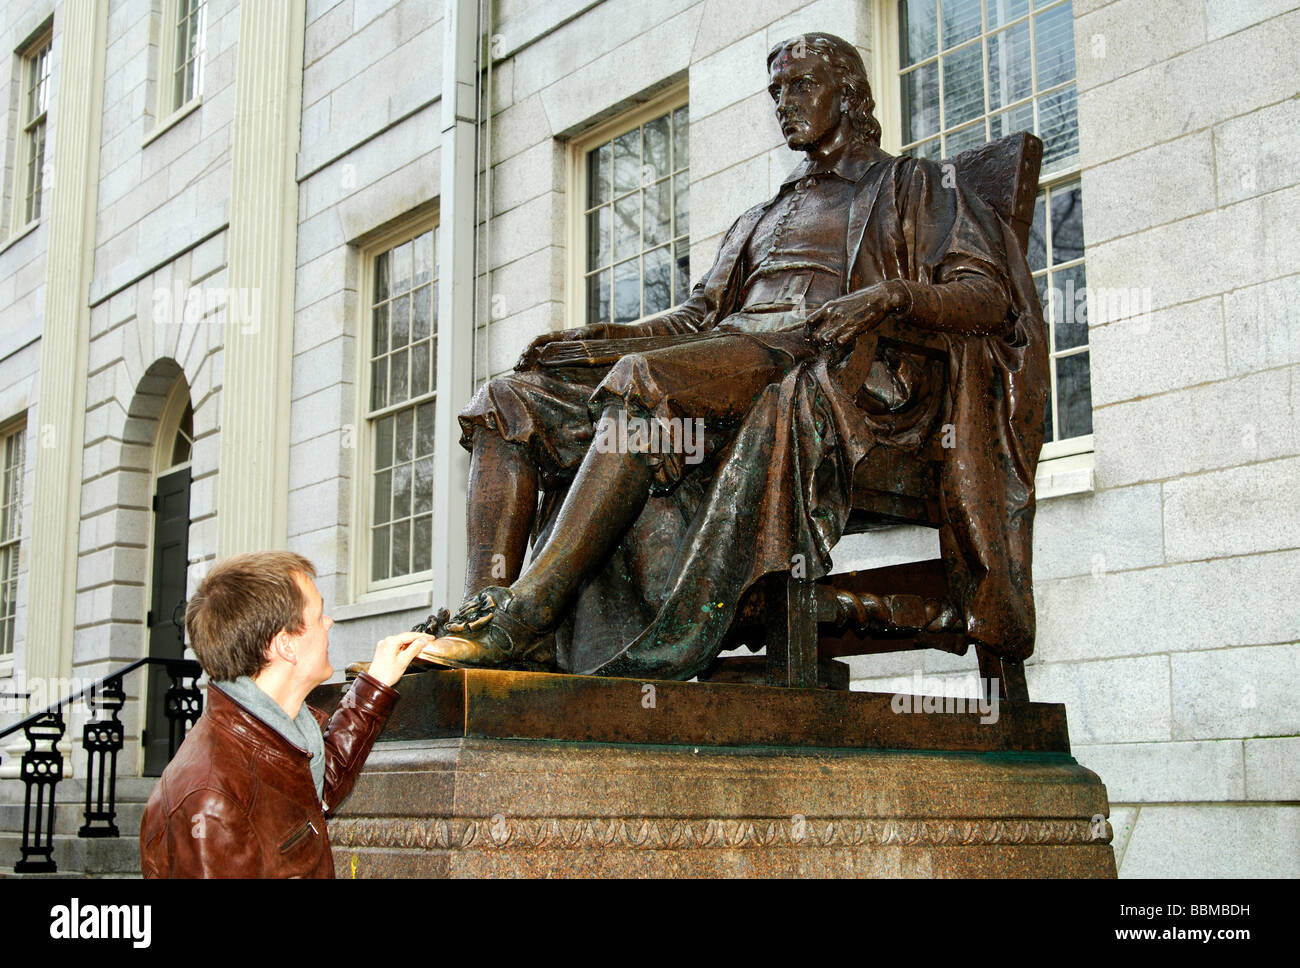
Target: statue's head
{"x": 819, "y": 83}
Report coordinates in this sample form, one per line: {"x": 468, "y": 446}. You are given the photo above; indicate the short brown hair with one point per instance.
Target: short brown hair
{"x": 240, "y": 606}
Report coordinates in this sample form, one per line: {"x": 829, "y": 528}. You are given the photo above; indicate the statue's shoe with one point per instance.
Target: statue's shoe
{"x": 433, "y": 625}
{"x": 483, "y": 634}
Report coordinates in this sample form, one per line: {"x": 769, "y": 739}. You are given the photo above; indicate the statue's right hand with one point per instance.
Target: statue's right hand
{"x": 534, "y": 351}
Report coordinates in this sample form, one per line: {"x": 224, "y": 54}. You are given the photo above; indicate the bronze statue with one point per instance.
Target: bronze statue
{"x": 646, "y": 543}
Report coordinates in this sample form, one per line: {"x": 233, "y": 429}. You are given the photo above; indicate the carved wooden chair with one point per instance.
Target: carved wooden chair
{"x": 801, "y": 622}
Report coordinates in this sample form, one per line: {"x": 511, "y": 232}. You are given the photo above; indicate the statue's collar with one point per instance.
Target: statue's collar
{"x": 851, "y": 165}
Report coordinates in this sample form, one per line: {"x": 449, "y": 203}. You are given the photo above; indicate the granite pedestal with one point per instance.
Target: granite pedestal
{"x": 492, "y": 774}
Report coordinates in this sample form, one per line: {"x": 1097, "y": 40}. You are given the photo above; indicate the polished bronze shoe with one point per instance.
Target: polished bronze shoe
{"x": 484, "y": 635}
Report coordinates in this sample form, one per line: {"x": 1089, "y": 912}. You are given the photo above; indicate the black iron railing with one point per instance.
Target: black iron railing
{"x": 102, "y": 738}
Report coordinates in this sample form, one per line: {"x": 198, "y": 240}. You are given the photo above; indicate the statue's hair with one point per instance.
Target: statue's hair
{"x": 855, "y": 89}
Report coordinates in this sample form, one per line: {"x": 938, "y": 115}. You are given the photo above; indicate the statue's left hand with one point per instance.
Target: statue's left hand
{"x": 842, "y": 320}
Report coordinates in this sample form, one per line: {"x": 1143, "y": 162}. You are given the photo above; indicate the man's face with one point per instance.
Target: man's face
{"x": 313, "y": 641}
{"x": 807, "y": 99}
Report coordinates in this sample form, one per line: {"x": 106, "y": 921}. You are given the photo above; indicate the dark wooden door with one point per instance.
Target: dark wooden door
{"x": 166, "y": 619}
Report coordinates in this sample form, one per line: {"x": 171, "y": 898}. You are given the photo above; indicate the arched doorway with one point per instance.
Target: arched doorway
{"x": 165, "y": 621}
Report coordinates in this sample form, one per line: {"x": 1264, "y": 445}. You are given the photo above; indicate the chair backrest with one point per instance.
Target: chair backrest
{"x": 1004, "y": 173}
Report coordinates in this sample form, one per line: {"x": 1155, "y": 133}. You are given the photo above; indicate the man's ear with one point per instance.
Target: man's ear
{"x": 283, "y": 646}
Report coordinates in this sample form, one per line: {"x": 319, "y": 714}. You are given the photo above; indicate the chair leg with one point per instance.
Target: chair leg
{"x": 792, "y": 636}
{"x": 1010, "y": 676}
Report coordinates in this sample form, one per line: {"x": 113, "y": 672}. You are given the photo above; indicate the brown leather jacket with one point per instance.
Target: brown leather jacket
{"x": 238, "y": 800}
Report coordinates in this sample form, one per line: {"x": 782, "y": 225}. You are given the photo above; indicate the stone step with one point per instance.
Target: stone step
{"x": 73, "y": 790}
{"x": 68, "y": 817}
{"x": 80, "y": 857}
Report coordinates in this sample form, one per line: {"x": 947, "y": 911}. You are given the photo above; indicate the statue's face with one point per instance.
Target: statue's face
{"x": 807, "y": 99}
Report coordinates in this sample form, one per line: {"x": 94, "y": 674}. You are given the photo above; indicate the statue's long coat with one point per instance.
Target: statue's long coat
{"x": 780, "y": 485}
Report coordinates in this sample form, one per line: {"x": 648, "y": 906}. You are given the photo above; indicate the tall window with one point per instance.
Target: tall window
{"x": 30, "y": 167}
{"x": 972, "y": 71}
{"x": 636, "y": 217}
{"x": 191, "y": 38}
{"x": 403, "y": 348}
{"x": 12, "y": 446}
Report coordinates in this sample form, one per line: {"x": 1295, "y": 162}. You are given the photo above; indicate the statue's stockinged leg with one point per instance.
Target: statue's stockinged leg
{"x": 505, "y": 627}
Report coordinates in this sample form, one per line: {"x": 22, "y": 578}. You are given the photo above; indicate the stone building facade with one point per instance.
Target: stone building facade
{"x": 275, "y": 256}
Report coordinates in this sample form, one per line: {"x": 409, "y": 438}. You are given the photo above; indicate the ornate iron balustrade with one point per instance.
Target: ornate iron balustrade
{"x": 103, "y": 738}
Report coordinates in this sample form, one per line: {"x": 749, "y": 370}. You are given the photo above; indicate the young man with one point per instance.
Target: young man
{"x": 247, "y": 793}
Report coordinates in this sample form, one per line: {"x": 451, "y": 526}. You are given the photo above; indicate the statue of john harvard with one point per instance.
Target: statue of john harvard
{"x": 642, "y": 554}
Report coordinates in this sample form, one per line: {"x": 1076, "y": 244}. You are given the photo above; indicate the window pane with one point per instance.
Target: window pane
{"x": 380, "y": 324}
{"x": 598, "y": 165}
{"x": 627, "y": 291}
{"x": 422, "y": 253}
{"x": 424, "y": 429}
{"x": 1054, "y": 46}
{"x": 682, "y": 272}
{"x": 655, "y": 161}
{"x": 1009, "y": 122}
{"x": 658, "y": 213}
{"x": 379, "y": 554}
{"x": 598, "y": 298}
{"x": 598, "y": 237}
{"x": 379, "y": 384}
{"x": 1067, "y": 223}
{"x": 404, "y": 436}
{"x": 381, "y": 276}
{"x": 383, "y": 496}
{"x": 921, "y": 103}
{"x": 963, "y": 85}
{"x": 397, "y": 374}
{"x": 1004, "y": 11}
{"x": 681, "y": 140}
{"x": 971, "y": 136}
{"x": 1074, "y": 395}
{"x": 682, "y": 204}
{"x": 402, "y": 492}
{"x": 1058, "y": 126}
{"x": 1010, "y": 76}
{"x": 658, "y": 281}
{"x": 917, "y": 30}
{"x": 961, "y": 21}
{"x": 384, "y": 443}
{"x": 927, "y": 149}
{"x": 627, "y": 226}
{"x": 421, "y": 314}
{"x": 627, "y": 162}
{"x": 424, "y": 485}
{"x": 1070, "y": 324}
{"x": 401, "y": 321}
{"x": 1037, "y": 253}
{"x": 401, "y": 548}
{"x": 401, "y": 266}
{"x": 420, "y": 369}
{"x": 421, "y": 544}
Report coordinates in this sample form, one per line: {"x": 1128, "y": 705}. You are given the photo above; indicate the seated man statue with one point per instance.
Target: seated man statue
{"x": 640, "y": 556}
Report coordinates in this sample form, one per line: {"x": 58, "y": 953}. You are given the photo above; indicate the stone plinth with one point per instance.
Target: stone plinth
{"x": 476, "y": 798}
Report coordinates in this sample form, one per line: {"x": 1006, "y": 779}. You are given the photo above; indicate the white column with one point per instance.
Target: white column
{"x": 65, "y": 340}
{"x": 455, "y": 296}
{"x": 253, "y": 487}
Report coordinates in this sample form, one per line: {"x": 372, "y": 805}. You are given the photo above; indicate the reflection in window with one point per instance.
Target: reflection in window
{"x": 973, "y": 71}
{"x": 403, "y": 388}
{"x": 637, "y": 218}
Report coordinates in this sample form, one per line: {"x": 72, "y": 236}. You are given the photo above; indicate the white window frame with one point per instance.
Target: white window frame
{"x": 30, "y": 127}
{"x": 168, "y": 109}
{"x": 410, "y": 590}
{"x": 1065, "y": 466}
{"x": 576, "y": 228}
{"x": 14, "y": 430}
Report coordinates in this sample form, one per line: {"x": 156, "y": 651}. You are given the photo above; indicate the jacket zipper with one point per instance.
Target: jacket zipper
{"x": 296, "y": 836}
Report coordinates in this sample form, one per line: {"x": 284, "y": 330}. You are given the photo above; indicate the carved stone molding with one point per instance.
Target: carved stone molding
{"x": 642, "y": 833}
